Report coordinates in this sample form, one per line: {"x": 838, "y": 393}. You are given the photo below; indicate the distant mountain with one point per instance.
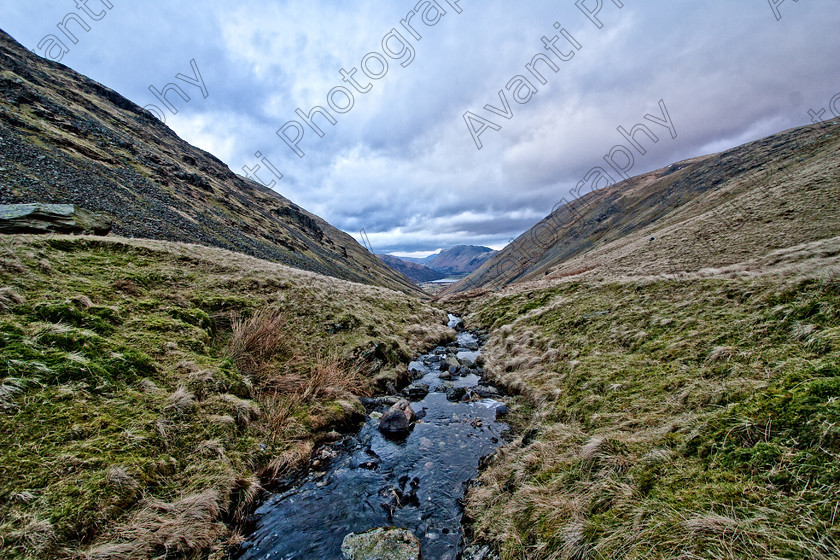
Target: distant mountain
{"x": 65, "y": 139}
{"x": 416, "y": 260}
{"x": 704, "y": 213}
{"x": 461, "y": 259}
{"x": 457, "y": 261}
{"x": 416, "y": 272}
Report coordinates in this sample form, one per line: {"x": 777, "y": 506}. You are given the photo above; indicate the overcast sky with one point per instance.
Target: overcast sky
{"x": 401, "y": 160}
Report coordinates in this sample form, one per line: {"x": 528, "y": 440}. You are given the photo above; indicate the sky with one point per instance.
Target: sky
{"x": 447, "y": 128}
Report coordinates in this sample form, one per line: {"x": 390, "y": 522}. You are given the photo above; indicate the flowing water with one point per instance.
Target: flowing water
{"x": 415, "y": 483}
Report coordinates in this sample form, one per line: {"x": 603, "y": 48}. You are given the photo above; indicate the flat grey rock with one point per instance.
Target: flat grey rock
{"x": 52, "y": 218}
{"x": 381, "y": 544}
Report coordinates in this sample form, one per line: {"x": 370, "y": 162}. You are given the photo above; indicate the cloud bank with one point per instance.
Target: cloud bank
{"x": 378, "y": 96}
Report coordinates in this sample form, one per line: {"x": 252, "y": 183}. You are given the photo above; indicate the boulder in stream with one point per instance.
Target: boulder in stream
{"x": 381, "y": 544}
{"x": 416, "y": 391}
{"x": 455, "y": 393}
{"x": 502, "y": 410}
{"x": 399, "y": 420}
{"x": 404, "y": 406}
{"x": 486, "y": 392}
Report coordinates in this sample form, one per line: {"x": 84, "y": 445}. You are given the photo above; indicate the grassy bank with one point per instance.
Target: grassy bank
{"x": 675, "y": 419}
{"x": 148, "y": 390}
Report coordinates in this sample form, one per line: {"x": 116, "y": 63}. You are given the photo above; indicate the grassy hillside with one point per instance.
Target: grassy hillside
{"x": 148, "y": 389}
{"x": 707, "y": 212}
{"x": 672, "y": 418}
{"x": 66, "y": 139}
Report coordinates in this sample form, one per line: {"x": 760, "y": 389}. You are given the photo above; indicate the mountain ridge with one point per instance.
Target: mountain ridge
{"x": 67, "y": 139}
{"x": 460, "y": 259}
{"x": 682, "y": 218}
{"x": 417, "y": 272}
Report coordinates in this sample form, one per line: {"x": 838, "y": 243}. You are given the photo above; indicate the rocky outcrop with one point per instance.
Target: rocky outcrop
{"x": 381, "y": 544}
{"x": 52, "y": 218}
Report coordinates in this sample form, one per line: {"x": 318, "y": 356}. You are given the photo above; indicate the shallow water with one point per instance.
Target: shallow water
{"x": 415, "y": 483}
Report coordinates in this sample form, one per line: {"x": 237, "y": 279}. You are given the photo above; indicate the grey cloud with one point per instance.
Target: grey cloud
{"x": 401, "y": 163}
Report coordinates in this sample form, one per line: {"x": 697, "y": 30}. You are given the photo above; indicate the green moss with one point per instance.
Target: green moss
{"x": 724, "y": 396}
{"x": 68, "y": 313}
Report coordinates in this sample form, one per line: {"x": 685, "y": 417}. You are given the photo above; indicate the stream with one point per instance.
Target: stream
{"x": 368, "y": 480}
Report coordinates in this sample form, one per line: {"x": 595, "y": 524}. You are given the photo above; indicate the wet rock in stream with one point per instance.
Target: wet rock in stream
{"x": 381, "y": 544}
{"x": 416, "y": 391}
{"x": 399, "y": 420}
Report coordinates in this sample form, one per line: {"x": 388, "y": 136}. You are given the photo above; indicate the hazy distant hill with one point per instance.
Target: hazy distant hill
{"x": 416, "y": 272}
{"x": 461, "y": 259}
{"x": 67, "y": 139}
{"x": 709, "y": 211}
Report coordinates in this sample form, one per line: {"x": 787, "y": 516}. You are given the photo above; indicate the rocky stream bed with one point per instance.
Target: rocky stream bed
{"x": 397, "y": 485}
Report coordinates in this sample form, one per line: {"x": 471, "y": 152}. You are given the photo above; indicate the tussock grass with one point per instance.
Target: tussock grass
{"x": 693, "y": 418}
{"x": 257, "y": 340}
{"x": 148, "y": 391}
{"x": 9, "y": 298}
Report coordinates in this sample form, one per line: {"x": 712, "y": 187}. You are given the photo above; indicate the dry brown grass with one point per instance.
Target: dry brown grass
{"x": 244, "y": 497}
{"x": 257, "y": 340}
{"x": 36, "y": 536}
{"x": 180, "y": 401}
{"x": 331, "y": 378}
{"x": 9, "y": 261}
{"x": 167, "y": 529}
{"x": 243, "y": 411}
{"x": 287, "y": 462}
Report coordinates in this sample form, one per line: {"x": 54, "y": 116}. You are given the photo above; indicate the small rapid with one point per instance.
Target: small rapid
{"x": 416, "y": 482}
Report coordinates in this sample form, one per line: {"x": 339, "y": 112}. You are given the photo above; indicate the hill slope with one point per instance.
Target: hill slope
{"x": 668, "y": 418}
{"x": 148, "y": 388}
{"x": 67, "y": 139}
{"x": 416, "y": 272}
{"x": 710, "y": 211}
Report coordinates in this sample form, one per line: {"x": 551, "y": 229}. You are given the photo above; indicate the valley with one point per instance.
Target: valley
{"x": 444, "y": 266}
{"x": 207, "y": 370}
